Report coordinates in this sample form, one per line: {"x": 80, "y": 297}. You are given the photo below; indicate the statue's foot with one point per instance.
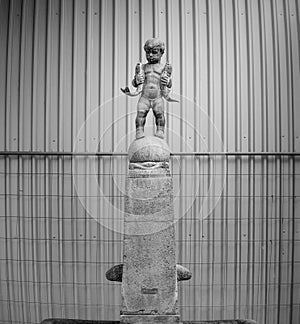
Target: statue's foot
{"x": 160, "y": 133}
{"x": 139, "y": 133}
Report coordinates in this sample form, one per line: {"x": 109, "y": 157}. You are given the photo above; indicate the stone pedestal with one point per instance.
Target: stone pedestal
{"x": 149, "y": 281}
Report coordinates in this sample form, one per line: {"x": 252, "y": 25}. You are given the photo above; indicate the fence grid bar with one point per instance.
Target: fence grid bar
{"x": 40, "y": 153}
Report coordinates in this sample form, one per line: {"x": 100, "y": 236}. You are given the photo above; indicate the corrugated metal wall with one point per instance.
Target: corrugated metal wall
{"x": 236, "y": 73}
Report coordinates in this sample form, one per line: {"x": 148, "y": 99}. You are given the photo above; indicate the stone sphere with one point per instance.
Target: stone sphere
{"x": 149, "y": 149}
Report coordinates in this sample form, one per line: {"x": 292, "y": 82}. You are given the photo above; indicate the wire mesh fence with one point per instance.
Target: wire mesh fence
{"x": 237, "y": 230}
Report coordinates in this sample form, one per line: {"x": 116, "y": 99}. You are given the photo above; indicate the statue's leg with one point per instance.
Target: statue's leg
{"x": 143, "y": 107}
{"x": 158, "y": 111}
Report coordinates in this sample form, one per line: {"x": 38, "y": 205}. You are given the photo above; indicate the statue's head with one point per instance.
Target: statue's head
{"x": 154, "y": 49}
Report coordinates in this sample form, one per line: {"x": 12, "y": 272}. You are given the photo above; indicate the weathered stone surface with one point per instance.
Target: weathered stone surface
{"x": 149, "y": 149}
{"x": 138, "y": 319}
{"x": 116, "y": 272}
{"x": 146, "y": 196}
{"x": 183, "y": 273}
{"x": 149, "y": 282}
{"x": 148, "y": 202}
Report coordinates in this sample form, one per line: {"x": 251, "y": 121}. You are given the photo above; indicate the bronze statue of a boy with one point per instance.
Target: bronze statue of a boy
{"x": 153, "y": 82}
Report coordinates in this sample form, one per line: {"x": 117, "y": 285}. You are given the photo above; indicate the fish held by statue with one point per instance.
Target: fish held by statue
{"x": 167, "y": 71}
{"x": 126, "y": 90}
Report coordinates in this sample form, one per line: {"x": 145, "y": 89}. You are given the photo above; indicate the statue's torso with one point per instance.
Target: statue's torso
{"x": 151, "y": 87}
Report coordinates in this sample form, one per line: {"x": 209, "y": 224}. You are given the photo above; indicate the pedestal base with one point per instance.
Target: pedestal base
{"x": 74, "y": 321}
{"x": 149, "y": 319}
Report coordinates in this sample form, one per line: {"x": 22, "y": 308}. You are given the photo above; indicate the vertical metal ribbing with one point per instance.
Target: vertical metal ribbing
{"x": 9, "y": 298}
{"x": 98, "y": 247}
{"x": 261, "y": 201}
{"x": 212, "y": 161}
{"x": 264, "y": 166}
{"x": 61, "y": 161}
{"x": 12, "y": 129}
{"x": 116, "y": 167}
{"x": 179, "y": 227}
{"x": 195, "y": 226}
{"x": 169, "y": 53}
{"x": 87, "y": 163}
{"x": 278, "y": 214}
{"x": 5, "y": 12}
{"x": 234, "y": 12}
{"x": 239, "y": 161}
{"x": 141, "y": 29}
{"x": 252, "y": 161}
{"x": 100, "y": 292}
{"x": 183, "y": 224}
{"x": 250, "y": 249}
{"x": 19, "y": 165}
{"x": 154, "y": 32}
{"x": 293, "y": 241}
{"x": 291, "y": 168}
{"x": 10, "y": 294}
{"x": 294, "y": 69}
{"x": 33, "y": 221}
{"x": 248, "y": 274}
{"x": 128, "y": 73}
{"x": 280, "y": 219}
{"x": 34, "y": 167}
{"x": 271, "y": 75}
{"x": 223, "y": 224}
{"x": 112, "y": 161}
{"x": 265, "y": 163}
{"x": 73, "y": 165}
{"x": 208, "y": 160}
{"x": 225, "y": 241}
{"x": 47, "y": 161}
